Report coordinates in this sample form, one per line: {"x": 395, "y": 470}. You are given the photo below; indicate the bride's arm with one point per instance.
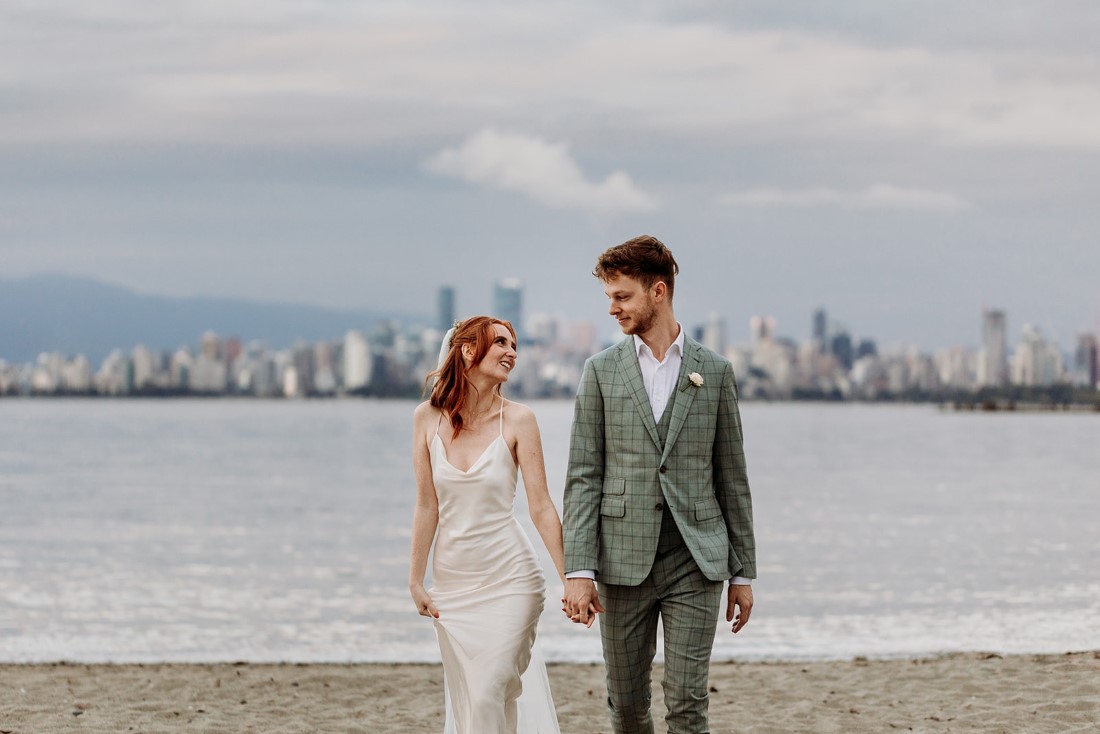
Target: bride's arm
{"x": 543, "y": 513}
{"x": 425, "y": 514}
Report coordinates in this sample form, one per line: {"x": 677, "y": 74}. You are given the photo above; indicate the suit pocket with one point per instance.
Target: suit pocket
{"x": 707, "y": 510}
{"x": 614, "y": 485}
{"x": 613, "y": 507}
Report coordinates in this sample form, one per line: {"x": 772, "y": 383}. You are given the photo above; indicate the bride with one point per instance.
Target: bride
{"x": 488, "y": 592}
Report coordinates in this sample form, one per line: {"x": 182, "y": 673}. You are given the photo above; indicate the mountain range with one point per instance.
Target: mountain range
{"x": 72, "y": 315}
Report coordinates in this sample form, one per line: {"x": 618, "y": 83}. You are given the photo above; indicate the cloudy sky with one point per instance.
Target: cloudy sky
{"x": 903, "y": 164}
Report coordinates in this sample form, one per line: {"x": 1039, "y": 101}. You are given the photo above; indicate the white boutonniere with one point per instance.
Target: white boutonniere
{"x": 696, "y": 379}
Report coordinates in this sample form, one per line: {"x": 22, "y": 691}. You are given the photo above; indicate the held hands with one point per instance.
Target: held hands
{"x": 581, "y": 602}
{"x": 739, "y": 596}
{"x": 424, "y": 604}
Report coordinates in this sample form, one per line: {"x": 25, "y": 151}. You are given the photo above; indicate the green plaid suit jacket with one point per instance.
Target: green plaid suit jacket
{"x": 620, "y": 475}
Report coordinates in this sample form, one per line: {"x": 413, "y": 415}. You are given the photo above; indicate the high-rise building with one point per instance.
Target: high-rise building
{"x": 866, "y": 348}
{"x": 211, "y": 346}
{"x": 819, "y": 329}
{"x": 1037, "y": 361}
{"x": 304, "y": 368}
{"x": 956, "y": 367}
{"x": 445, "y": 307}
{"x": 762, "y": 327}
{"x": 145, "y": 366}
{"x": 714, "y": 334}
{"x": 76, "y": 375}
{"x": 324, "y": 368}
{"x": 508, "y": 303}
{"x": 233, "y": 349}
{"x": 1086, "y": 362}
{"x": 358, "y": 363}
{"x": 840, "y": 346}
{"x": 180, "y": 367}
{"x": 545, "y": 328}
{"x": 581, "y": 337}
{"x": 209, "y": 373}
{"x": 993, "y": 361}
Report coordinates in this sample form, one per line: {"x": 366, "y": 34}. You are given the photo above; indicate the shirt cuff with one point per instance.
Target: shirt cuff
{"x": 738, "y": 581}
{"x": 583, "y": 574}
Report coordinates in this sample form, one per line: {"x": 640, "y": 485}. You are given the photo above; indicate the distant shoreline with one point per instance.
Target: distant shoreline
{"x": 970, "y": 405}
{"x": 1007, "y": 406}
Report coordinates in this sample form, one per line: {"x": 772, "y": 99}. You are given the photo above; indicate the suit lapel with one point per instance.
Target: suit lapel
{"x": 632, "y": 376}
{"x": 685, "y": 394}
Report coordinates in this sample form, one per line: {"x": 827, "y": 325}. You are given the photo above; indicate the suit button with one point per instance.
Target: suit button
{"x": 664, "y": 469}
{"x": 659, "y": 506}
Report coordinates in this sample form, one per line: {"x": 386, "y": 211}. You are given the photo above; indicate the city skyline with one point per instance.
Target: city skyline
{"x": 508, "y": 298}
{"x": 393, "y": 359}
{"x": 903, "y": 164}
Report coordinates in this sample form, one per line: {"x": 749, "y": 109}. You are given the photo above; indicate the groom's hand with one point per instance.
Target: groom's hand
{"x": 581, "y": 601}
{"x": 739, "y": 598}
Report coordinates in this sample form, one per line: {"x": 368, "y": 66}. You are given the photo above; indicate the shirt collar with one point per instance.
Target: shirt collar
{"x": 677, "y": 344}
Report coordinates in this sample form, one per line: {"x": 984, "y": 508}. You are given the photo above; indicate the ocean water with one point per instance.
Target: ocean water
{"x": 219, "y": 530}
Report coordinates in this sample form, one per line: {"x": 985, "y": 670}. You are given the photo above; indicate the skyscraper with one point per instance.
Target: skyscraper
{"x": 211, "y": 346}
{"x": 840, "y": 346}
{"x": 762, "y": 327}
{"x": 714, "y": 334}
{"x": 358, "y": 364}
{"x": 445, "y": 304}
{"x": 993, "y": 361}
{"x": 1037, "y": 361}
{"x": 866, "y": 348}
{"x": 508, "y": 303}
{"x": 1086, "y": 362}
{"x": 819, "y": 327}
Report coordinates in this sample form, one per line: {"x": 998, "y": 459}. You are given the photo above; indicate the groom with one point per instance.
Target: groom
{"x": 657, "y": 508}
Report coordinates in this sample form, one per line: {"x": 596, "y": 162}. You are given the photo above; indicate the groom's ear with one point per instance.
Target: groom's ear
{"x": 660, "y": 290}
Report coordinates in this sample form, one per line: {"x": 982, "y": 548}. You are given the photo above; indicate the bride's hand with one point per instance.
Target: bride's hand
{"x": 582, "y": 601}
{"x": 424, "y": 605}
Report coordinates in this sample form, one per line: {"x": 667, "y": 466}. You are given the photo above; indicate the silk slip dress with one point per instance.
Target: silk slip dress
{"x": 489, "y": 590}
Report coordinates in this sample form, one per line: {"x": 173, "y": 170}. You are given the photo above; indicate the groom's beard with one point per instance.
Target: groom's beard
{"x": 641, "y": 322}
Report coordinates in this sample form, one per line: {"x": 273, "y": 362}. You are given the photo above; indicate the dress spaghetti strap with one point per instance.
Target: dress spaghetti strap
{"x": 438, "y": 421}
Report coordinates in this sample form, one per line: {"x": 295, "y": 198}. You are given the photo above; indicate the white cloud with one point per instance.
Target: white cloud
{"x": 539, "y": 169}
{"x": 879, "y": 196}
{"x": 370, "y": 74}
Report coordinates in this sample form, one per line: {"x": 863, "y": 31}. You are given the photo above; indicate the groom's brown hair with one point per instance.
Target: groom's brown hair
{"x": 644, "y": 258}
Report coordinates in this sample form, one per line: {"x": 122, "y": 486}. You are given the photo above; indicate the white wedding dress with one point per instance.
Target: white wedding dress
{"x": 489, "y": 590}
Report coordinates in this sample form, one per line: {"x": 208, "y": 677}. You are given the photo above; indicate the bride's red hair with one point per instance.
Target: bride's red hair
{"x": 452, "y": 386}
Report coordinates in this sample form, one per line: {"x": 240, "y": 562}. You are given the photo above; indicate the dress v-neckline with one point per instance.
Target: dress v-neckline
{"x": 476, "y": 461}
{"x": 484, "y": 452}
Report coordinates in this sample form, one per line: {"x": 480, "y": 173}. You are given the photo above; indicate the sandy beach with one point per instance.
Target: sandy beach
{"x": 960, "y": 692}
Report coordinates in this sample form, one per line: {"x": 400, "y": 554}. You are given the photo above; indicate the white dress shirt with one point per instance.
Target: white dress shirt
{"x": 659, "y": 379}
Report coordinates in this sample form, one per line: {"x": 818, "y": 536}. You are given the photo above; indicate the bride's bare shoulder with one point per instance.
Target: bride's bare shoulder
{"x": 425, "y": 412}
{"x": 519, "y": 412}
